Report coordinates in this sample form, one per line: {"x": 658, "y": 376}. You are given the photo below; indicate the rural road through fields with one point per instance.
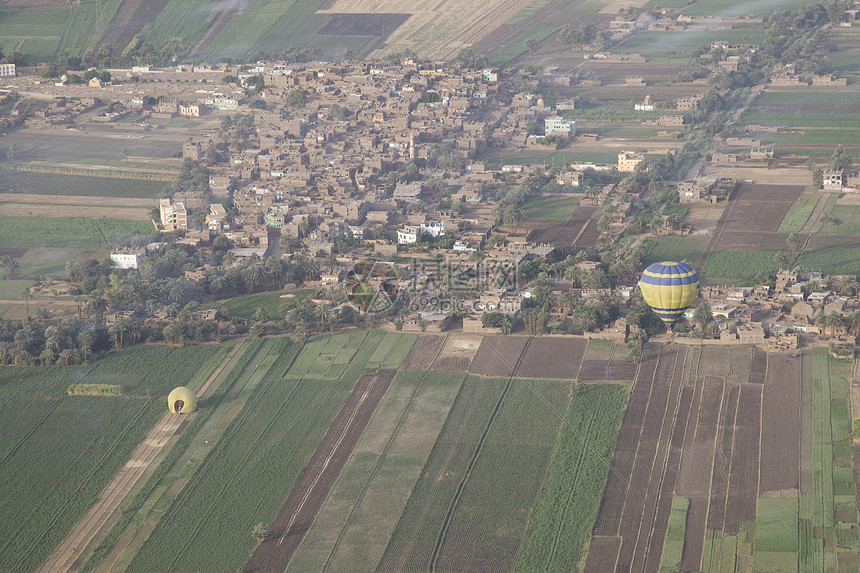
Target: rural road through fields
{"x": 64, "y": 557}
{"x": 91, "y": 529}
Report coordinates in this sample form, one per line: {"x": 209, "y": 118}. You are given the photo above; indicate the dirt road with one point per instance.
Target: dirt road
{"x": 91, "y": 529}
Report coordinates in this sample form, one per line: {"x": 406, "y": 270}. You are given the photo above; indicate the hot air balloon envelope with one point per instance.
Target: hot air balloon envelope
{"x": 182, "y": 400}
{"x": 669, "y": 288}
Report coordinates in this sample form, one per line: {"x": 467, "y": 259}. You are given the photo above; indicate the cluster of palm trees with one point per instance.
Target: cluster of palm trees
{"x": 310, "y": 317}
{"x": 590, "y": 315}
{"x": 71, "y": 340}
{"x": 837, "y": 323}
{"x": 254, "y": 276}
{"x": 509, "y": 209}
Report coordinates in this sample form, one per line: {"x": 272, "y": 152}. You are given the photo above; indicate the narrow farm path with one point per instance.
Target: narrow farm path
{"x": 96, "y": 523}
{"x": 317, "y": 478}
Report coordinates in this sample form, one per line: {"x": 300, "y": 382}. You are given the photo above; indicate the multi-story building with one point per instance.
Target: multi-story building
{"x": 173, "y": 215}
{"x": 559, "y": 126}
{"x": 627, "y": 161}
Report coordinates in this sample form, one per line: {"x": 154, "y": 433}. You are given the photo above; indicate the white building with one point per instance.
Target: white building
{"x": 432, "y": 228}
{"x": 559, "y": 125}
{"x": 407, "y": 235}
{"x": 126, "y": 258}
{"x": 7, "y": 70}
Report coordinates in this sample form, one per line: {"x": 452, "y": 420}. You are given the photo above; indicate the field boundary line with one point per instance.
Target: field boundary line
{"x": 38, "y": 423}
{"x": 570, "y": 495}
{"x": 674, "y": 408}
{"x": 379, "y": 460}
{"x": 230, "y": 481}
{"x": 82, "y": 531}
{"x": 440, "y": 539}
{"x": 638, "y": 444}
{"x": 660, "y": 491}
{"x": 326, "y": 462}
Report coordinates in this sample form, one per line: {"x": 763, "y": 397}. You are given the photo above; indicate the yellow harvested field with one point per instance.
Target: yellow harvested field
{"x": 25, "y": 204}
{"x": 615, "y": 5}
{"x": 436, "y": 30}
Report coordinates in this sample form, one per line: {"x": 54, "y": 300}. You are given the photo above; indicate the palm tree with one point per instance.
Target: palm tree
{"x": 513, "y": 216}
{"x": 794, "y": 242}
{"x": 6, "y": 352}
{"x": 312, "y": 269}
{"x": 322, "y": 314}
{"x": 703, "y": 316}
{"x": 10, "y": 266}
{"x": 66, "y": 354}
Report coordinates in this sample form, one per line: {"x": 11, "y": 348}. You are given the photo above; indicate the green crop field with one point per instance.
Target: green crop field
{"x": 658, "y": 44}
{"x": 411, "y": 545}
{"x": 68, "y": 232}
{"x": 57, "y": 184}
{"x": 248, "y": 475}
{"x": 676, "y": 248}
{"x": 727, "y": 9}
{"x": 831, "y": 257}
{"x": 392, "y": 351}
{"x": 271, "y": 302}
{"x": 517, "y": 46}
{"x": 58, "y": 452}
{"x": 801, "y": 97}
{"x": 673, "y": 546}
{"x": 802, "y": 119}
{"x": 465, "y": 500}
{"x": 799, "y": 213}
{"x": 830, "y": 136}
{"x": 737, "y": 265}
{"x": 849, "y": 215}
{"x": 553, "y": 207}
{"x": 271, "y": 23}
{"x": 13, "y": 289}
{"x": 43, "y": 31}
{"x": 56, "y": 460}
{"x": 561, "y": 521}
{"x": 262, "y": 24}
{"x": 356, "y": 521}
{"x": 327, "y": 356}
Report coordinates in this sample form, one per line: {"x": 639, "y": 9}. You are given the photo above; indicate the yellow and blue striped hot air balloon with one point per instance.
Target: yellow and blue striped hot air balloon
{"x": 669, "y": 288}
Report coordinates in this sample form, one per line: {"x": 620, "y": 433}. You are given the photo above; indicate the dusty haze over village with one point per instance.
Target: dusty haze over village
{"x": 537, "y": 285}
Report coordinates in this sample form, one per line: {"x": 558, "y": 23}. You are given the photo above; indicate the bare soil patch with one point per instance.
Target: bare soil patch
{"x": 752, "y": 218}
{"x": 458, "y": 352}
{"x": 129, "y": 20}
{"x": 26, "y": 204}
{"x": 780, "y": 433}
{"x": 565, "y": 233}
{"x": 615, "y": 494}
{"x": 498, "y": 355}
{"x": 552, "y": 358}
{"x": 317, "y": 478}
{"x": 743, "y": 480}
{"x": 722, "y": 458}
{"x": 361, "y": 24}
{"x": 603, "y": 553}
{"x": 14, "y": 252}
{"x": 424, "y": 352}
